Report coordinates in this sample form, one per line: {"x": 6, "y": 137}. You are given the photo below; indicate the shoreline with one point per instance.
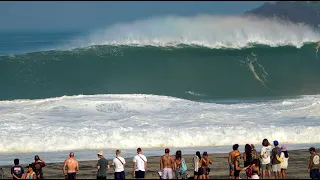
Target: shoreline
{"x": 297, "y": 169}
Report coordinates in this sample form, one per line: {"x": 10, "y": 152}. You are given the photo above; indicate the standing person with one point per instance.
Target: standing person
{"x": 139, "y": 165}
{"x": 247, "y": 155}
{"x": 237, "y": 167}
{"x": 30, "y": 174}
{"x": 276, "y": 166}
{"x": 204, "y": 162}
{"x": 72, "y": 164}
{"x": 255, "y": 169}
{"x": 255, "y": 155}
{"x": 39, "y": 163}
{"x": 180, "y": 172}
{"x": 102, "y": 166}
{"x": 118, "y": 164}
{"x": 17, "y": 171}
{"x": 196, "y": 165}
{"x": 231, "y": 159}
{"x": 265, "y": 158}
{"x": 284, "y": 164}
{"x": 314, "y": 164}
{"x": 166, "y": 165}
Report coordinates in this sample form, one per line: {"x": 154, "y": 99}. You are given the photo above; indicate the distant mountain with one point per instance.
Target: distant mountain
{"x": 307, "y": 12}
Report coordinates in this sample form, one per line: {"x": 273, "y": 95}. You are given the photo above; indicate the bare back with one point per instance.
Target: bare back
{"x": 72, "y": 165}
{"x": 167, "y": 161}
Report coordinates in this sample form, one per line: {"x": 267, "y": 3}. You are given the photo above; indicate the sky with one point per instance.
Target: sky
{"x": 86, "y": 15}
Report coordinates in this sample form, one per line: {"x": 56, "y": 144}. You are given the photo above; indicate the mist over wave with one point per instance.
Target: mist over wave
{"x": 203, "y": 30}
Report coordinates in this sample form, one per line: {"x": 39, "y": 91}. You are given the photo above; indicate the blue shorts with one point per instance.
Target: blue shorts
{"x": 314, "y": 174}
{"x": 231, "y": 166}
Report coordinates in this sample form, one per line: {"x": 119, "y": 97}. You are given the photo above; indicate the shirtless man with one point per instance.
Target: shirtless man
{"x": 166, "y": 165}
{"x": 72, "y": 164}
{"x": 231, "y": 159}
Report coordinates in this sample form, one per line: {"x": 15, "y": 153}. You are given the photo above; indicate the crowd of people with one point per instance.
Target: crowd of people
{"x": 255, "y": 164}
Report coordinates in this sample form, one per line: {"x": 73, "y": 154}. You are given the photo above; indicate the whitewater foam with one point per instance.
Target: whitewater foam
{"x": 149, "y": 121}
{"x": 203, "y": 30}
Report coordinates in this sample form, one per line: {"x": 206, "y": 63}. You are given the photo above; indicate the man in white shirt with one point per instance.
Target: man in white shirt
{"x": 118, "y": 165}
{"x": 265, "y": 158}
{"x": 139, "y": 165}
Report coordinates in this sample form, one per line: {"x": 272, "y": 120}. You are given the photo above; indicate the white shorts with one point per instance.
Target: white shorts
{"x": 167, "y": 173}
{"x": 254, "y": 176}
{"x": 276, "y": 167}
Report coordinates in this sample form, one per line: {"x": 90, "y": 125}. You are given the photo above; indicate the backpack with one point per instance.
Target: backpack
{"x": 183, "y": 167}
{"x": 249, "y": 171}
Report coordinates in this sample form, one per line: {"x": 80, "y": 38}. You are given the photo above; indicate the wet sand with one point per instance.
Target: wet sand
{"x": 297, "y": 169}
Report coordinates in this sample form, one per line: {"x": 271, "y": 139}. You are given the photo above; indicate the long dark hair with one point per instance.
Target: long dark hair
{"x": 178, "y": 154}
{"x": 198, "y": 154}
{"x": 247, "y": 149}
{"x": 286, "y": 154}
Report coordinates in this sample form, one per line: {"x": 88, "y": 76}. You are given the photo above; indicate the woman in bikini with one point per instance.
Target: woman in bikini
{"x": 237, "y": 167}
{"x": 255, "y": 169}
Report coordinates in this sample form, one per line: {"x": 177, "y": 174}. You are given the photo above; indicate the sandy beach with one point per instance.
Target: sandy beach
{"x": 297, "y": 169}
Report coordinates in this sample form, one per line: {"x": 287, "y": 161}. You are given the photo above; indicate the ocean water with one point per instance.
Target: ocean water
{"x": 203, "y": 82}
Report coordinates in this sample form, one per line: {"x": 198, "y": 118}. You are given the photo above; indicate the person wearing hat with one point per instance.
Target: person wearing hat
{"x": 284, "y": 164}
{"x": 166, "y": 165}
{"x": 102, "y": 166}
{"x": 30, "y": 174}
{"x": 314, "y": 164}
{"x": 276, "y": 166}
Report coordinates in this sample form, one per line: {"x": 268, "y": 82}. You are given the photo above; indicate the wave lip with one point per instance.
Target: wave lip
{"x": 204, "y": 30}
{"x": 124, "y": 121}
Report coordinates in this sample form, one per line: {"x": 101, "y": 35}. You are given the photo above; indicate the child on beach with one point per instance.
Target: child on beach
{"x": 237, "y": 167}
{"x": 31, "y": 174}
{"x": 17, "y": 171}
{"x": 284, "y": 164}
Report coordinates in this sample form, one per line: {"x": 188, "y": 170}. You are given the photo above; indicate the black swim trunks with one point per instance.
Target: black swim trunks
{"x": 71, "y": 176}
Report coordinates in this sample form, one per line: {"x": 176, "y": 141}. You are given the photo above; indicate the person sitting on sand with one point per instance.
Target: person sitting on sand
{"x": 254, "y": 169}
{"x": 196, "y": 165}
{"x": 118, "y": 163}
{"x": 265, "y": 158}
{"x": 276, "y": 166}
{"x": 17, "y": 171}
{"x": 204, "y": 162}
{"x": 314, "y": 164}
{"x": 30, "y": 174}
{"x": 102, "y": 166}
{"x": 139, "y": 165}
{"x": 166, "y": 165}
{"x": 39, "y": 163}
{"x": 231, "y": 159}
{"x": 237, "y": 167}
{"x": 72, "y": 164}
{"x": 284, "y": 164}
